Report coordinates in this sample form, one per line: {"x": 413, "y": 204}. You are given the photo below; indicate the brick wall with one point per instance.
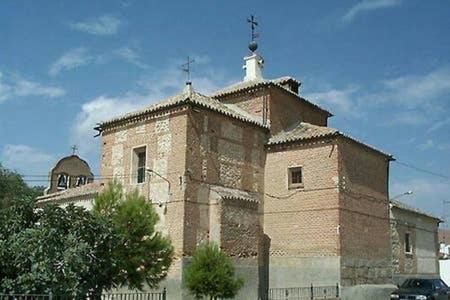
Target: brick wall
{"x": 224, "y": 156}
{"x": 304, "y": 221}
{"x": 286, "y": 110}
{"x": 165, "y": 139}
{"x": 364, "y": 214}
{"x": 282, "y": 108}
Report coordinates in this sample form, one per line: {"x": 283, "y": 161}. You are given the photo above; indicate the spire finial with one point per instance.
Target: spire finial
{"x": 253, "y": 45}
{"x": 74, "y": 149}
{"x": 187, "y": 68}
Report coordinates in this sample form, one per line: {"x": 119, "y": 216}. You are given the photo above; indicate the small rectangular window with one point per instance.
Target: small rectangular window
{"x": 408, "y": 246}
{"x": 295, "y": 175}
{"x": 139, "y": 164}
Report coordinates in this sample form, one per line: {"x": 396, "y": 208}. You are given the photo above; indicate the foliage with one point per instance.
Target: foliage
{"x": 143, "y": 255}
{"x": 72, "y": 251}
{"x": 13, "y": 187}
{"x": 65, "y": 251}
{"x": 211, "y": 273}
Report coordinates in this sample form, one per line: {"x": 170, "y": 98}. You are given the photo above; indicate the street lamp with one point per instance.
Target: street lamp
{"x": 402, "y": 194}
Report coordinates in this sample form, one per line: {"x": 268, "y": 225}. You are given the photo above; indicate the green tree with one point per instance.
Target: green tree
{"x": 12, "y": 187}
{"x": 72, "y": 251}
{"x": 211, "y": 274}
{"x": 65, "y": 251}
{"x": 143, "y": 254}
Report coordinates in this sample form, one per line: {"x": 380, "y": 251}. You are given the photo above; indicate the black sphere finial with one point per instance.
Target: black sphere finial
{"x": 253, "y": 46}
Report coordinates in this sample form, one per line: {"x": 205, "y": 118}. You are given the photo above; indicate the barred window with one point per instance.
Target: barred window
{"x": 139, "y": 164}
{"x": 295, "y": 177}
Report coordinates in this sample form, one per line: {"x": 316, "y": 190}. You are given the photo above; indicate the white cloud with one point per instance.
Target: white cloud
{"x": 104, "y": 25}
{"x": 16, "y": 86}
{"x": 439, "y": 124}
{"x": 341, "y": 101}
{"x": 416, "y": 90}
{"x": 428, "y": 193}
{"x": 27, "y": 160}
{"x": 71, "y": 59}
{"x": 130, "y": 55}
{"x": 412, "y": 99}
{"x": 153, "y": 87}
{"x": 405, "y": 118}
{"x": 366, "y": 6}
{"x": 429, "y": 144}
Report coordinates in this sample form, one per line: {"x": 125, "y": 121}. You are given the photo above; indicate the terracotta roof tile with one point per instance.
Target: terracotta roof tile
{"x": 253, "y": 84}
{"x": 305, "y": 131}
{"x": 413, "y": 209}
{"x": 193, "y": 98}
{"x": 90, "y": 189}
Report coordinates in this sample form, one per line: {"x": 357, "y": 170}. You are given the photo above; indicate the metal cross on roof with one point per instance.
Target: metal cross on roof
{"x": 253, "y": 24}
{"x": 187, "y": 68}
{"x": 74, "y": 149}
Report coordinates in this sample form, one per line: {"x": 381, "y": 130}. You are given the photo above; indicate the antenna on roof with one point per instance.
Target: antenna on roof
{"x": 187, "y": 69}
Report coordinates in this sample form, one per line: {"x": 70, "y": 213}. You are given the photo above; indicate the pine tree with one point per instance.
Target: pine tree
{"x": 211, "y": 274}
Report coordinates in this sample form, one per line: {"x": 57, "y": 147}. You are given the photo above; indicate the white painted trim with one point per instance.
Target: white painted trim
{"x": 132, "y": 181}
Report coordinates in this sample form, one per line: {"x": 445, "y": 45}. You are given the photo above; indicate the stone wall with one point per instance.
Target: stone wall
{"x": 364, "y": 215}
{"x": 424, "y": 259}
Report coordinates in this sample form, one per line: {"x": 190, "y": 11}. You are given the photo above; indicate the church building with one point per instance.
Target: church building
{"x": 255, "y": 168}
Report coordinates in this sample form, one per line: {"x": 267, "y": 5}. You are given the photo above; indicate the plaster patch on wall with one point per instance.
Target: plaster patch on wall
{"x": 140, "y": 129}
{"x": 205, "y": 123}
{"x": 255, "y": 157}
{"x": 160, "y": 167}
{"x": 204, "y": 144}
{"x": 161, "y": 225}
{"x": 203, "y": 194}
{"x": 256, "y": 139}
{"x": 117, "y": 155}
{"x": 159, "y": 190}
{"x": 230, "y": 151}
{"x": 162, "y": 125}
{"x": 255, "y": 181}
{"x": 230, "y": 175}
{"x": 118, "y": 173}
{"x": 231, "y": 131}
{"x": 164, "y": 144}
{"x": 120, "y": 136}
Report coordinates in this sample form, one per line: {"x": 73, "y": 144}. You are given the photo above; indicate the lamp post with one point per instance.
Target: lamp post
{"x": 402, "y": 194}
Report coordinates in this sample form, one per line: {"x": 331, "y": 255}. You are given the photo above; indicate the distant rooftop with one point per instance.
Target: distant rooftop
{"x": 413, "y": 209}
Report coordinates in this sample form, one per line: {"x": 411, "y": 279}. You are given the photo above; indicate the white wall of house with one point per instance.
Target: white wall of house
{"x": 445, "y": 270}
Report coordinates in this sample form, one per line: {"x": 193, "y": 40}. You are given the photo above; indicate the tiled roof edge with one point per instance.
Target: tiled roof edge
{"x": 404, "y": 206}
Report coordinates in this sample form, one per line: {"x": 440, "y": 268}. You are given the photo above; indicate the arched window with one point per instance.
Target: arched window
{"x": 62, "y": 181}
{"x": 81, "y": 180}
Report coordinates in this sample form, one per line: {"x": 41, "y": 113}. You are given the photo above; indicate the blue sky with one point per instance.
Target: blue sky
{"x": 381, "y": 66}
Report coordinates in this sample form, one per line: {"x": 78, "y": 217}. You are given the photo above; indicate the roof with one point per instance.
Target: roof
{"x": 90, "y": 189}
{"x": 257, "y": 83}
{"x": 404, "y": 206}
{"x": 306, "y": 131}
{"x": 444, "y": 235}
{"x": 230, "y": 193}
{"x": 193, "y": 98}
